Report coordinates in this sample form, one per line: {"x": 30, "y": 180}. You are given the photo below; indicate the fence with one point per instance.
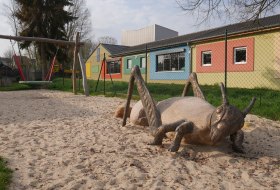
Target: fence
{"x": 248, "y": 65}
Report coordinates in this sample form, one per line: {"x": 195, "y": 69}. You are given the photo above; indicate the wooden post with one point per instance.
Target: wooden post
{"x": 83, "y": 70}
{"x": 76, "y": 50}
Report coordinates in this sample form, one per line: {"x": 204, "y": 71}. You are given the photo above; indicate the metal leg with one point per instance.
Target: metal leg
{"x": 237, "y": 140}
{"x": 181, "y": 131}
{"x": 149, "y": 105}
{"x": 192, "y": 80}
{"x": 162, "y": 130}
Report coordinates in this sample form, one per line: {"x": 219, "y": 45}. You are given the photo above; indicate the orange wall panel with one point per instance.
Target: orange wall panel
{"x": 113, "y": 75}
{"x": 218, "y": 56}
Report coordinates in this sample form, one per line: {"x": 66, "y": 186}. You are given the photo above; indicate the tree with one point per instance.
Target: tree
{"x": 242, "y": 10}
{"x": 82, "y": 24}
{"x": 107, "y": 40}
{"x": 87, "y": 48}
{"x": 47, "y": 19}
{"x": 9, "y": 12}
{"x": 8, "y": 54}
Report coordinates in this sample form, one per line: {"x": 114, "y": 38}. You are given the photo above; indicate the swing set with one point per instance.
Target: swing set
{"x": 76, "y": 59}
{"x": 23, "y": 78}
{"x": 47, "y": 77}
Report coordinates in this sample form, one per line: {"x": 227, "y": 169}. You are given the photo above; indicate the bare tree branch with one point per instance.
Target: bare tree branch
{"x": 107, "y": 40}
{"x": 243, "y": 10}
{"x": 82, "y": 23}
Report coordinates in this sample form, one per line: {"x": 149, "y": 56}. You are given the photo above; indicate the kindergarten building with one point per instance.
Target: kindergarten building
{"x": 95, "y": 65}
{"x": 252, "y": 55}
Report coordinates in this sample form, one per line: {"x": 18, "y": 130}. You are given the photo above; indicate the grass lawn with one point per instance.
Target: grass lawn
{"x": 5, "y": 175}
{"x": 267, "y": 104}
{"x": 15, "y": 86}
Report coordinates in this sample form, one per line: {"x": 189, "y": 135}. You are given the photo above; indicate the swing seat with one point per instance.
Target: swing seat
{"x": 36, "y": 82}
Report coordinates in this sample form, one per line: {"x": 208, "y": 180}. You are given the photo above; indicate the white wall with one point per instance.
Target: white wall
{"x": 144, "y": 35}
{"x": 164, "y": 33}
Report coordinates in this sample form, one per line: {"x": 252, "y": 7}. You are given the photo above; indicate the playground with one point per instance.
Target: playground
{"x": 58, "y": 140}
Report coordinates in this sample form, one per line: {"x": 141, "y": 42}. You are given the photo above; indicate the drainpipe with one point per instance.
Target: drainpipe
{"x": 190, "y": 57}
{"x": 146, "y": 69}
{"x": 226, "y": 38}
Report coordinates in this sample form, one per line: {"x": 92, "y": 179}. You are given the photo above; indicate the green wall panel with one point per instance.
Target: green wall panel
{"x": 135, "y": 61}
{"x": 95, "y": 68}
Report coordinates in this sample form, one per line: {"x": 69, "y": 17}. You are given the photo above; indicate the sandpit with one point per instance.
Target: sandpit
{"x": 56, "y": 140}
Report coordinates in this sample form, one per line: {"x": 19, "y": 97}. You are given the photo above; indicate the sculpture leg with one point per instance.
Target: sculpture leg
{"x": 192, "y": 80}
{"x": 181, "y": 131}
{"x": 149, "y": 105}
{"x": 129, "y": 95}
{"x": 237, "y": 140}
{"x": 162, "y": 130}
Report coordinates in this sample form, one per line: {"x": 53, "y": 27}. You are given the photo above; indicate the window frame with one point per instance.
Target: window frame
{"x": 168, "y": 58}
{"x": 109, "y": 63}
{"x": 127, "y": 64}
{"x": 202, "y": 58}
{"x": 234, "y": 56}
{"x": 141, "y": 62}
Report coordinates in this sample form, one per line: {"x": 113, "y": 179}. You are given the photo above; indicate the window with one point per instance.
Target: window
{"x": 142, "y": 62}
{"x": 129, "y": 64}
{"x": 240, "y": 55}
{"x": 206, "y": 58}
{"x": 98, "y": 54}
{"x": 113, "y": 67}
{"x": 170, "y": 62}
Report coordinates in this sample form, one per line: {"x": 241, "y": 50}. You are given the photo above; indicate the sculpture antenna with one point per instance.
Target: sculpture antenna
{"x": 247, "y": 110}
{"x": 225, "y": 101}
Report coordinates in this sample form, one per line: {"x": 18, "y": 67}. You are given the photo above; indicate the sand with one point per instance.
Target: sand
{"x": 56, "y": 140}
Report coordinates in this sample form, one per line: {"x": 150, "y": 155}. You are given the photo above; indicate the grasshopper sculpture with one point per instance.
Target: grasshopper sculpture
{"x": 191, "y": 118}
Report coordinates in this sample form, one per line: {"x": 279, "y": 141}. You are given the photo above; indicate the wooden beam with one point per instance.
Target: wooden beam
{"x": 83, "y": 69}
{"x": 37, "y": 39}
{"x": 76, "y": 50}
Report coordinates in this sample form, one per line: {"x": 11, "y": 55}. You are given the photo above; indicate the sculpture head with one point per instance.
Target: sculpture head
{"x": 227, "y": 118}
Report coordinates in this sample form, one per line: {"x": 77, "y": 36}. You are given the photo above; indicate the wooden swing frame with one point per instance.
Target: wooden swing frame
{"x": 76, "y": 45}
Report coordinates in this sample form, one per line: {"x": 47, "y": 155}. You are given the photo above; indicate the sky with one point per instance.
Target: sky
{"x": 111, "y": 17}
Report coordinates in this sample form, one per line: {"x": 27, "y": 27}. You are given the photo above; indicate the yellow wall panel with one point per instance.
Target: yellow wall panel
{"x": 92, "y": 62}
{"x": 88, "y": 72}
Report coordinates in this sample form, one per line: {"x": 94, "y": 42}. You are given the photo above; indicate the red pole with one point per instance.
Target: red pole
{"x": 16, "y": 59}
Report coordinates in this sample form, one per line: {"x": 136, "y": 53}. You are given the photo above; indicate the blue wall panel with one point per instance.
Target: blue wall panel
{"x": 169, "y": 75}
